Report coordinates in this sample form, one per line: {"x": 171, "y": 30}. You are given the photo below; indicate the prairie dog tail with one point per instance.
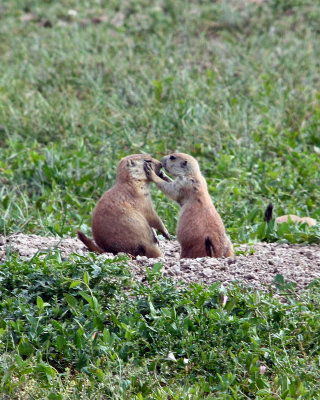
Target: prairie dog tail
{"x": 268, "y": 213}
{"x": 89, "y": 243}
{"x": 210, "y": 250}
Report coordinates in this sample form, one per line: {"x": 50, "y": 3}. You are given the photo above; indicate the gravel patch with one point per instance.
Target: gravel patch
{"x": 256, "y": 267}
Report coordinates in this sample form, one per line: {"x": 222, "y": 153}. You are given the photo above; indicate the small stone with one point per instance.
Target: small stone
{"x": 309, "y": 254}
{"x": 251, "y": 276}
{"x": 207, "y": 272}
{"x": 175, "y": 269}
{"x": 231, "y": 261}
{"x": 138, "y": 258}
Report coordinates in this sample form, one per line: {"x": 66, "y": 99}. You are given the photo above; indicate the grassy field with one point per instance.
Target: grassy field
{"x": 235, "y": 84}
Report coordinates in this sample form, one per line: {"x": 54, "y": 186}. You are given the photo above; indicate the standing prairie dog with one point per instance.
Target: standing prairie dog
{"x": 285, "y": 218}
{"x": 200, "y": 229}
{"x": 123, "y": 218}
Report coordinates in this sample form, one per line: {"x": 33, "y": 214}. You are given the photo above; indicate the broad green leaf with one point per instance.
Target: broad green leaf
{"x": 157, "y": 268}
{"x": 25, "y": 348}
{"x": 40, "y": 302}
{"x": 71, "y": 300}
{"x": 86, "y": 277}
{"x": 74, "y": 284}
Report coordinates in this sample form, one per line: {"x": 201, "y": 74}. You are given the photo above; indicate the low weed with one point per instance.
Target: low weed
{"x": 235, "y": 84}
{"x": 86, "y": 328}
{"x": 287, "y": 232}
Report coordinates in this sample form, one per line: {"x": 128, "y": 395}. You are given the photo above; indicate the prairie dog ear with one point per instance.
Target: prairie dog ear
{"x": 184, "y": 163}
{"x": 130, "y": 163}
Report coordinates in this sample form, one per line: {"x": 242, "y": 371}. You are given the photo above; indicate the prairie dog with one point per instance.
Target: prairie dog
{"x": 285, "y": 218}
{"x": 200, "y": 229}
{"x": 123, "y": 218}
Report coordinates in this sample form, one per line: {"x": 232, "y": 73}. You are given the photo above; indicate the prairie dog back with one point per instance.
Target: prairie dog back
{"x": 200, "y": 230}
{"x": 268, "y": 215}
{"x": 123, "y": 218}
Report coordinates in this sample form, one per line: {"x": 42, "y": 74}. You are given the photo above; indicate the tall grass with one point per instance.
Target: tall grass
{"x": 232, "y": 83}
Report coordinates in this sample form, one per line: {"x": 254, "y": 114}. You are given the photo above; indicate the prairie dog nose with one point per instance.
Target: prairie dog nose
{"x": 164, "y": 162}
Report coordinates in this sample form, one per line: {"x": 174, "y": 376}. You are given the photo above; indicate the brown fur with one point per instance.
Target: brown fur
{"x": 123, "y": 218}
{"x": 296, "y": 219}
{"x": 200, "y": 229}
{"x": 286, "y": 218}
{"x": 89, "y": 243}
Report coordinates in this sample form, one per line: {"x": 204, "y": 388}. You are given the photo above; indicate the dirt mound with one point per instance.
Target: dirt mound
{"x": 257, "y": 266}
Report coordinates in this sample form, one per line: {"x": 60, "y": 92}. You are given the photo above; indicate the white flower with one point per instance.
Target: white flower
{"x": 171, "y": 357}
{"x": 186, "y": 360}
{"x": 262, "y": 369}
{"x": 224, "y": 301}
{"x": 72, "y": 13}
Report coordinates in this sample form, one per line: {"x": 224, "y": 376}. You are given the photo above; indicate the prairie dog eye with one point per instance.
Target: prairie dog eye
{"x": 172, "y": 157}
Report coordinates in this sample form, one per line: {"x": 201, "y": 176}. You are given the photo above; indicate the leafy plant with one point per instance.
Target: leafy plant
{"x": 86, "y": 324}
{"x": 232, "y": 83}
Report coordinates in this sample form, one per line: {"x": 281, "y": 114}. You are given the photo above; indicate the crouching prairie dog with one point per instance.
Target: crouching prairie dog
{"x": 200, "y": 229}
{"x": 123, "y": 218}
{"x": 286, "y": 218}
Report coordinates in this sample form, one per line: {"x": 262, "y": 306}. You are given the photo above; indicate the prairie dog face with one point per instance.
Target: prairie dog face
{"x": 131, "y": 168}
{"x": 180, "y": 164}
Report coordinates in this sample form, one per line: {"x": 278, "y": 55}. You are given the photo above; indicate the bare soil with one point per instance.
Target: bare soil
{"x": 256, "y": 267}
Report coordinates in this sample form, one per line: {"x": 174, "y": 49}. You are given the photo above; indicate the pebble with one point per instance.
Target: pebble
{"x": 309, "y": 254}
{"x": 251, "y": 276}
{"x": 299, "y": 263}
{"x": 175, "y": 269}
{"x": 207, "y": 272}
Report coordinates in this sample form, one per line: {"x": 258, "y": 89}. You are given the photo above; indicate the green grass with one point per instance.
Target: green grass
{"x": 84, "y": 329}
{"x": 235, "y": 84}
